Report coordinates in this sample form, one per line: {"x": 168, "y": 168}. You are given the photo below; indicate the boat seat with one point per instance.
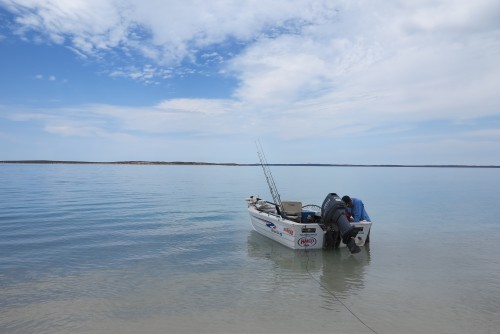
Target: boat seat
{"x": 292, "y": 210}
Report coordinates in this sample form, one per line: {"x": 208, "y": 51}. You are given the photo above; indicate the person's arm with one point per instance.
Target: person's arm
{"x": 365, "y": 214}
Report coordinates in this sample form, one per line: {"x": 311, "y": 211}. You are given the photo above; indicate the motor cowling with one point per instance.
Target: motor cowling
{"x": 333, "y": 211}
{"x": 333, "y": 214}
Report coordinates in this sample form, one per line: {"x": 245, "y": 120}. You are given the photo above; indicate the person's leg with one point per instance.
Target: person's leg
{"x": 348, "y": 233}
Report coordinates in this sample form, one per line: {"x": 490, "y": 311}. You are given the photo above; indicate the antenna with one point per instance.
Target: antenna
{"x": 268, "y": 175}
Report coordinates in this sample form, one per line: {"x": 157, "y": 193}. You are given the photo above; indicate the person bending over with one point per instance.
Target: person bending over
{"x": 333, "y": 213}
{"x": 356, "y": 208}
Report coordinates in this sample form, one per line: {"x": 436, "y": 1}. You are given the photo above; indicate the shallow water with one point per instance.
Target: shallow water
{"x": 169, "y": 249}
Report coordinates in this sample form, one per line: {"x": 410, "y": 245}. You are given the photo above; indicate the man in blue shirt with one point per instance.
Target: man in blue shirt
{"x": 356, "y": 208}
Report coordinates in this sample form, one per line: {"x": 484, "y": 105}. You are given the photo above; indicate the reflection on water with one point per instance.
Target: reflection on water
{"x": 284, "y": 258}
{"x": 338, "y": 272}
{"x": 343, "y": 272}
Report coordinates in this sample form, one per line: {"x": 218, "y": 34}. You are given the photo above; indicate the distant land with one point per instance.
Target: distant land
{"x": 191, "y": 163}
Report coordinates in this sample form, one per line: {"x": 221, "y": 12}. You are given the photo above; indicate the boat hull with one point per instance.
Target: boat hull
{"x": 297, "y": 235}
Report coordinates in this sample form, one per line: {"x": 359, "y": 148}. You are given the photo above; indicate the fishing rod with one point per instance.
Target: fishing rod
{"x": 269, "y": 176}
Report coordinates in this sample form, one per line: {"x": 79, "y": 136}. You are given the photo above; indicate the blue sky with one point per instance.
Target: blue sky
{"x": 361, "y": 82}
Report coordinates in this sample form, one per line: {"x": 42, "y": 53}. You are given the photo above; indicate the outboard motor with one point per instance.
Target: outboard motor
{"x": 333, "y": 213}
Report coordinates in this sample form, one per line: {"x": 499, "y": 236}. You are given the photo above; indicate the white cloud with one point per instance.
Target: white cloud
{"x": 349, "y": 68}
{"x": 164, "y": 31}
{"x": 87, "y": 25}
{"x": 205, "y": 106}
{"x": 378, "y": 70}
{"x": 148, "y": 74}
{"x": 69, "y": 130}
{"x": 485, "y": 133}
{"x": 49, "y": 78}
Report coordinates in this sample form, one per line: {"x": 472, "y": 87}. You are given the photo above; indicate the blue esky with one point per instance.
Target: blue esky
{"x": 361, "y": 82}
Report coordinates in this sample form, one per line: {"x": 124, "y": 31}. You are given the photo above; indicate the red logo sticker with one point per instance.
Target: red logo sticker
{"x": 307, "y": 242}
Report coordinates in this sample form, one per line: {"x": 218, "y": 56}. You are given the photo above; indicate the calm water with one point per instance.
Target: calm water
{"x": 169, "y": 249}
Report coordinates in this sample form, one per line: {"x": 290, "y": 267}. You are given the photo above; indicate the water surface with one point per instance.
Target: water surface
{"x": 169, "y": 249}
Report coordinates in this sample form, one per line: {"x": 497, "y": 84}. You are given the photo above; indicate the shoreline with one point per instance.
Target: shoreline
{"x": 191, "y": 163}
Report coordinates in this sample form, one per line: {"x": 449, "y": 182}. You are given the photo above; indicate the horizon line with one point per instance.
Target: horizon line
{"x": 143, "y": 162}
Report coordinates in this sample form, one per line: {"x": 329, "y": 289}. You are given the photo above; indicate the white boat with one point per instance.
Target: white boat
{"x": 302, "y": 227}
{"x": 298, "y": 227}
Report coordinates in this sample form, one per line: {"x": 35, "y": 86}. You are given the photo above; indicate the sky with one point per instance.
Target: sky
{"x": 335, "y": 82}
